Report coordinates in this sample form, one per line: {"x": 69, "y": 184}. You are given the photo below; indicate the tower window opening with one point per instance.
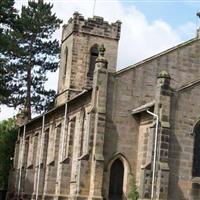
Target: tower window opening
{"x": 94, "y": 52}
{"x": 65, "y": 65}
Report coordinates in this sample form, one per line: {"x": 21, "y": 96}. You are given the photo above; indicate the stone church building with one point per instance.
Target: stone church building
{"x": 111, "y": 127}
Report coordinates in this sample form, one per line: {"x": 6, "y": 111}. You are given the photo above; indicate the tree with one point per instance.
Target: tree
{"x": 36, "y": 53}
{"x": 133, "y": 194}
{"x": 8, "y": 135}
{"x": 7, "y": 18}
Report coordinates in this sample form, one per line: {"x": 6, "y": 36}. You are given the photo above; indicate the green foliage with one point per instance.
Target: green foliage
{"x": 34, "y": 53}
{"x": 133, "y": 194}
{"x": 8, "y": 135}
{"x": 7, "y": 18}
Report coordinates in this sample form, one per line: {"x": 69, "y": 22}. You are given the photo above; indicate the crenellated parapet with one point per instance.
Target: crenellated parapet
{"x": 95, "y": 26}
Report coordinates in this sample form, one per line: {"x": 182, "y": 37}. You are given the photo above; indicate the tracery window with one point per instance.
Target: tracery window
{"x": 196, "y": 152}
{"x": 94, "y": 52}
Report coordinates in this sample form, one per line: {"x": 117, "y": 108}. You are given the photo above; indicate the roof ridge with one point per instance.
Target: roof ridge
{"x": 137, "y": 64}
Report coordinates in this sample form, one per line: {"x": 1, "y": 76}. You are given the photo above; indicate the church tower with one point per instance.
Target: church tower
{"x": 80, "y": 43}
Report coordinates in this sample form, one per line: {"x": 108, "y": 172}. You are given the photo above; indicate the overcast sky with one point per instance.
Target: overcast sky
{"x": 148, "y": 27}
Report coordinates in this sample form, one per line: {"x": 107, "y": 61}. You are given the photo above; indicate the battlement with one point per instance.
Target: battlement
{"x": 93, "y": 26}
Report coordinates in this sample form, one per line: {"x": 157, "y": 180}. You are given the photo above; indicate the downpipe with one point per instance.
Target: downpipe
{"x": 155, "y": 153}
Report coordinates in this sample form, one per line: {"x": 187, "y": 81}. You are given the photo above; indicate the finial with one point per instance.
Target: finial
{"x": 102, "y": 50}
{"x": 76, "y": 14}
{"x": 163, "y": 79}
{"x": 101, "y": 57}
{"x": 164, "y": 74}
{"x": 197, "y": 24}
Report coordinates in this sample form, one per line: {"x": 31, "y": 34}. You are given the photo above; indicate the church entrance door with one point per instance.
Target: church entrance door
{"x": 116, "y": 180}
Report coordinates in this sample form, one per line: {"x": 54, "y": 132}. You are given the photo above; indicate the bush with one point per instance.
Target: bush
{"x": 133, "y": 194}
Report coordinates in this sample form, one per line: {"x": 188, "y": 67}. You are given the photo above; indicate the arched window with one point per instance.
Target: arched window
{"x": 65, "y": 66}
{"x": 94, "y": 52}
{"x": 116, "y": 180}
{"x": 196, "y": 152}
{"x": 45, "y": 147}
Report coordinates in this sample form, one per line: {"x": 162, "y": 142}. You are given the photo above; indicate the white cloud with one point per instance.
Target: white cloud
{"x": 187, "y": 30}
{"x": 140, "y": 38}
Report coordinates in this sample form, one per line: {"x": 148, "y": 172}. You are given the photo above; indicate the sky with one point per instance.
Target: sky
{"x": 148, "y": 27}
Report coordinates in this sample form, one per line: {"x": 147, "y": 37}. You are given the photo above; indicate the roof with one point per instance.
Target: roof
{"x": 188, "y": 85}
{"x": 143, "y": 108}
{"x": 138, "y": 64}
{"x": 60, "y": 106}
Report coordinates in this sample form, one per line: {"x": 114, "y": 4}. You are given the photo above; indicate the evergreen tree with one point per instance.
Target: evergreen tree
{"x": 36, "y": 54}
{"x": 7, "y": 18}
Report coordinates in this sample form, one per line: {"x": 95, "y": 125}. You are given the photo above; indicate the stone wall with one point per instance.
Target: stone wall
{"x": 135, "y": 86}
{"x": 185, "y": 115}
{"x": 48, "y": 154}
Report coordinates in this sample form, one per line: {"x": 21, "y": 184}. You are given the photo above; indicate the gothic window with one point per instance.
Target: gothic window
{"x": 65, "y": 66}
{"x": 16, "y": 157}
{"x": 196, "y": 152}
{"x": 19, "y": 163}
{"x": 42, "y": 146}
{"x": 51, "y": 145}
{"x": 30, "y": 151}
{"x": 116, "y": 180}
{"x": 35, "y": 148}
{"x": 26, "y": 149}
{"x": 45, "y": 146}
{"x": 82, "y": 120}
{"x": 85, "y": 135}
{"x": 93, "y": 56}
{"x": 71, "y": 136}
{"x": 57, "y": 139}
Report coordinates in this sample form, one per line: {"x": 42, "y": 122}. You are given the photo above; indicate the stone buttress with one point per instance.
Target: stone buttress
{"x": 162, "y": 109}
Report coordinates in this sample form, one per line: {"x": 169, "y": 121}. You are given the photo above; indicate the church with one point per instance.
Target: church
{"x": 112, "y": 129}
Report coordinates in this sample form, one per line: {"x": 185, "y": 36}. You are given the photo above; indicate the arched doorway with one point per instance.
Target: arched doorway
{"x": 196, "y": 151}
{"x": 116, "y": 180}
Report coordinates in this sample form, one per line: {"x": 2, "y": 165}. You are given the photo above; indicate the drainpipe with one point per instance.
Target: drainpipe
{"x": 155, "y": 153}
{"x": 21, "y": 162}
{"x": 40, "y": 155}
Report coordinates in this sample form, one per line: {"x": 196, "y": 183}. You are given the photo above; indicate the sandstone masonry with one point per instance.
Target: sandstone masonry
{"x": 109, "y": 126}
